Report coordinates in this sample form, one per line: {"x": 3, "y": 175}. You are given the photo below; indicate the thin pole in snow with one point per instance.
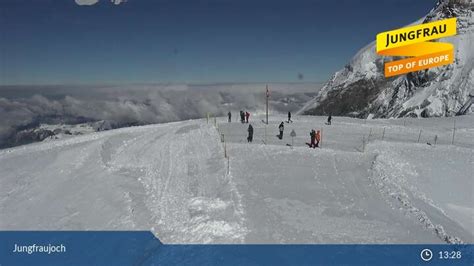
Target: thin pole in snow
{"x": 419, "y": 135}
{"x": 267, "y": 95}
{"x": 228, "y": 165}
{"x": 383, "y": 134}
{"x": 225, "y": 150}
{"x": 265, "y": 134}
{"x": 454, "y": 131}
{"x": 435, "y": 139}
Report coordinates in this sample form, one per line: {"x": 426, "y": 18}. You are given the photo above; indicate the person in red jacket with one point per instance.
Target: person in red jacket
{"x": 247, "y": 115}
{"x": 318, "y": 138}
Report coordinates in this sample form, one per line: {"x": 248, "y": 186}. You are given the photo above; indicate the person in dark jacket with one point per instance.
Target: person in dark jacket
{"x": 329, "y": 119}
{"x": 312, "y": 134}
{"x": 247, "y": 115}
{"x": 242, "y": 117}
{"x": 289, "y": 117}
{"x": 229, "y": 114}
{"x": 281, "y": 127}
{"x": 250, "y": 130}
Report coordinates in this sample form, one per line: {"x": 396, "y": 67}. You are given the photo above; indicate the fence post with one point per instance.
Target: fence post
{"x": 454, "y": 131}
{"x": 265, "y": 134}
{"x": 225, "y": 150}
{"x": 419, "y": 135}
{"x": 383, "y": 134}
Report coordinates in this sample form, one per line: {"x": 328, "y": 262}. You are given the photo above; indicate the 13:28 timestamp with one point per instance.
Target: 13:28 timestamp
{"x": 450, "y": 255}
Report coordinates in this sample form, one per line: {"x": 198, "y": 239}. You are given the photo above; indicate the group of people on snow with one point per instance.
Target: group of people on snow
{"x": 315, "y": 138}
{"x": 315, "y": 135}
{"x": 244, "y": 116}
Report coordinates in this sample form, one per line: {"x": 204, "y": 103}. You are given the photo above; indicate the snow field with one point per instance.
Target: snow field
{"x": 395, "y": 190}
{"x": 173, "y": 179}
{"x": 166, "y": 178}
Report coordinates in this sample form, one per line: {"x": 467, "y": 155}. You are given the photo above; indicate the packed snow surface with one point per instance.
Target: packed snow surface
{"x": 372, "y": 181}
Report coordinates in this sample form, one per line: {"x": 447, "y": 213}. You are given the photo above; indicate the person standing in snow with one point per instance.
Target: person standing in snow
{"x": 281, "y": 127}
{"x": 247, "y": 115}
{"x": 312, "y": 134}
{"x": 329, "y": 119}
{"x": 250, "y": 130}
{"x": 289, "y": 117}
{"x": 318, "y": 138}
{"x": 229, "y": 114}
{"x": 242, "y": 117}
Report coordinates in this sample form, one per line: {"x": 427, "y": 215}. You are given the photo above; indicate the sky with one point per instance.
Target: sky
{"x": 193, "y": 41}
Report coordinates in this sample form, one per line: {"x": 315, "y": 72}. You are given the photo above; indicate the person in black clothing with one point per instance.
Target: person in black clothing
{"x": 242, "y": 117}
{"x": 329, "y": 119}
{"x": 281, "y": 128}
{"x": 250, "y": 130}
{"x": 312, "y": 134}
{"x": 229, "y": 114}
{"x": 289, "y": 117}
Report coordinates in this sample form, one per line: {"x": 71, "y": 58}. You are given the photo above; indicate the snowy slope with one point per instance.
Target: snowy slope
{"x": 166, "y": 178}
{"x": 172, "y": 179}
{"x": 360, "y": 89}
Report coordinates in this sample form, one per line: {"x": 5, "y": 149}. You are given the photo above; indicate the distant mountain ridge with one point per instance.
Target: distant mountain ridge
{"x": 361, "y": 90}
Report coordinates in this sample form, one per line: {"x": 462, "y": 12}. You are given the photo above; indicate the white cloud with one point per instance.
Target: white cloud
{"x": 117, "y": 2}
{"x": 86, "y": 2}
{"x": 93, "y": 2}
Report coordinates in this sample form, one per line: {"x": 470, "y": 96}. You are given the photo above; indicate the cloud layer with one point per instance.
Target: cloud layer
{"x": 93, "y": 2}
{"x": 24, "y": 107}
{"x": 86, "y": 2}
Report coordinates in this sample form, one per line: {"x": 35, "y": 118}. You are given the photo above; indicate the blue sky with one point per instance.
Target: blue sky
{"x": 205, "y": 41}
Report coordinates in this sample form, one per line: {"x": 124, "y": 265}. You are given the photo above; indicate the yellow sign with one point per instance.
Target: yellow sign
{"x": 415, "y": 41}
